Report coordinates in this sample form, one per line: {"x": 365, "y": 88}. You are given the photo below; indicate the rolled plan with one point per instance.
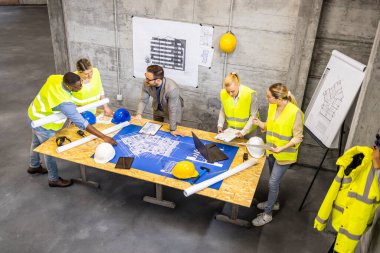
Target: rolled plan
{"x": 198, "y": 187}
{"x": 91, "y": 137}
{"x": 60, "y": 116}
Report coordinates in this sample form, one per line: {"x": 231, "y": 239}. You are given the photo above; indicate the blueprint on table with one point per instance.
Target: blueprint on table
{"x": 159, "y": 153}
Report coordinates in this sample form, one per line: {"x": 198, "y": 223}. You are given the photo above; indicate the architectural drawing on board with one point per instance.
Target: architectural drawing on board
{"x": 168, "y": 52}
{"x": 204, "y": 55}
{"x": 206, "y": 36}
{"x": 332, "y": 99}
{"x": 148, "y": 145}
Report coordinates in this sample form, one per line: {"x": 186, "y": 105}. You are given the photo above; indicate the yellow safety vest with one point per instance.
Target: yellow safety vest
{"x": 280, "y": 131}
{"x": 90, "y": 92}
{"x": 51, "y": 94}
{"x": 237, "y": 115}
{"x": 351, "y": 200}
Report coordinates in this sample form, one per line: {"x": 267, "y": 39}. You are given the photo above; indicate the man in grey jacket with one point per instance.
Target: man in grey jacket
{"x": 167, "y": 101}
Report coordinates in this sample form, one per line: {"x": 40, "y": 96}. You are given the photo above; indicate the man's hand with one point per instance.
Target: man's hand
{"x": 137, "y": 118}
{"x": 109, "y": 140}
{"x": 376, "y": 157}
{"x": 220, "y": 130}
{"x": 176, "y": 132}
{"x": 239, "y": 134}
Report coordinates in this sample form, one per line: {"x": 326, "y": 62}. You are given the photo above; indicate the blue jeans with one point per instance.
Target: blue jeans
{"x": 276, "y": 173}
{"x": 39, "y": 136}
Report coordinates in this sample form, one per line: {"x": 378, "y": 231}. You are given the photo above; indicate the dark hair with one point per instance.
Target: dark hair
{"x": 279, "y": 90}
{"x": 83, "y": 64}
{"x": 157, "y": 71}
{"x": 70, "y": 78}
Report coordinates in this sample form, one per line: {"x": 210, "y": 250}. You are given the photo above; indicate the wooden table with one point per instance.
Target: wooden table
{"x": 237, "y": 190}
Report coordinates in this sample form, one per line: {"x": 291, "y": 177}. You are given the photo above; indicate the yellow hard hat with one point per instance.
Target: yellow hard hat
{"x": 185, "y": 170}
{"x": 227, "y": 43}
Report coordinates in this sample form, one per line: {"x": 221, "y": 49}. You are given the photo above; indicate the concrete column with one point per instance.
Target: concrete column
{"x": 365, "y": 122}
{"x": 58, "y": 36}
{"x": 306, "y": 30}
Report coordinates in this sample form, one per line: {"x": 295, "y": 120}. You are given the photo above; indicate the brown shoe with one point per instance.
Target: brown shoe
{"x": 60, "y": 183}
{"x": 38, "y": 170}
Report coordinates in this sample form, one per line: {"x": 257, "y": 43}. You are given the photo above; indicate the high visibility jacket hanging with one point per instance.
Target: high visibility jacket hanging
{"x": 237, "y": 115}
{"x": 51, "y": 95}
{"x": 90, "y": 92}
{"x": 280, "y": 131}
{"x": 351, "y": 200}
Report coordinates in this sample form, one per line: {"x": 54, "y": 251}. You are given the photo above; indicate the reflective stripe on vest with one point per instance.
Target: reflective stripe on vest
{"x": 90, "y": 92}
{"x": 280, "y": 131}
{"x": 351, "y": 200}
{"x": 50, "y": 95}
{"x": 237, "y": 115}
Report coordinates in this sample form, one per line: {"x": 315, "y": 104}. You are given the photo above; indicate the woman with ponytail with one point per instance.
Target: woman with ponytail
{"x": 92, "y": 90}
{"x": 284, "y": 133}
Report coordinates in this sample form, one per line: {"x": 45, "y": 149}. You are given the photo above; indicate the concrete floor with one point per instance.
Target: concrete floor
{"x": 36, "y": 218}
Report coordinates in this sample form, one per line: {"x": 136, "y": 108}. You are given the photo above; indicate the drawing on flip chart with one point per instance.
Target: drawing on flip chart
{"x": 332, "y": 99}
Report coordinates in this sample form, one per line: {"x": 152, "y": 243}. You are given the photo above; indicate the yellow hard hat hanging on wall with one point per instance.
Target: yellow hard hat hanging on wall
{"x": 227, "y": 42}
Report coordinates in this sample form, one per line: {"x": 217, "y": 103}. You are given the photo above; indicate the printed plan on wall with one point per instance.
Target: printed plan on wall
{"x": 173, "y": 45}
{"x": 333, "y": 97}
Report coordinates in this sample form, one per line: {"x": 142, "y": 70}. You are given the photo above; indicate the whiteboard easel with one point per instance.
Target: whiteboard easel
{"x": 333, "y": 97}
{"x": 331, "y": 102}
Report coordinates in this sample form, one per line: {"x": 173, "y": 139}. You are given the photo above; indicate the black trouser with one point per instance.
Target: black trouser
{"x": 158, "y": 115}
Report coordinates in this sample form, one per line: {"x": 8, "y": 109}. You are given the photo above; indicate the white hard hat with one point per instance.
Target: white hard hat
{"x": 255, "y": 151}
{"x": 104, "y": 153}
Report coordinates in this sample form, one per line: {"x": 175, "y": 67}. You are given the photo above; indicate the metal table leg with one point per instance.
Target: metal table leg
{"x": 158, "y": 199}
{"x": 83, "y": 178}
{"x": 233, "y": 218}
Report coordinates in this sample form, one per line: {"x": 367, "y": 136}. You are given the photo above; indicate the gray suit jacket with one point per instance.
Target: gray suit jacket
{"x": 170, "y": 98}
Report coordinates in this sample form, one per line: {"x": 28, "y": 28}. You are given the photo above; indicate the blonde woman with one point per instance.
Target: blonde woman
{"x": 92, "y": 90}
{"x": 284, "y": 133}
{"x": 239, "y": 106}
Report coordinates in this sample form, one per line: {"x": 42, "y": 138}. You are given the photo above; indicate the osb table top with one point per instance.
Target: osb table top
{"x": 238, "y": 189}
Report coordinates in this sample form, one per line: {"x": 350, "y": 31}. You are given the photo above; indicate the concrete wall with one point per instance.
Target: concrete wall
{"x": 266, "y": 33}
{"x": 275, "y": 44}
{"x": 366, "y": 123}
{"x": 33, "y": 1}
{"x": 349, "y": 27}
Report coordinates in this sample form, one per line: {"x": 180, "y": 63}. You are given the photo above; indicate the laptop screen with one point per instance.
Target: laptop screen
{"x": 200, "y": 146}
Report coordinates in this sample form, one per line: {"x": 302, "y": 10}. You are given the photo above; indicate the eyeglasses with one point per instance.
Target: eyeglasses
{"x": 149, "y": 80}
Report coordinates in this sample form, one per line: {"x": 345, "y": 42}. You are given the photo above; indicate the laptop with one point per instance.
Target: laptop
{"x": 210, "y": 152}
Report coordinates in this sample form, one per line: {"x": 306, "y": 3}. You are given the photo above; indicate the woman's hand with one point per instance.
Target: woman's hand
{"x": 277, "y": 149}
{"x": 257, "y": 122}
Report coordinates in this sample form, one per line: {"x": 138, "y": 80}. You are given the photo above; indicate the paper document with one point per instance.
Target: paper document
{"x": 228, "y": 135}
{"x": 150, "y": 128}
{"x": 264, "y": 146}
{"x": 101, "y": 118}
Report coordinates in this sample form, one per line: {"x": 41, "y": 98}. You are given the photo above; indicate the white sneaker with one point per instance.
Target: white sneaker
{"x": 262, "y": 206}
{"x": 261, "y": 219}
